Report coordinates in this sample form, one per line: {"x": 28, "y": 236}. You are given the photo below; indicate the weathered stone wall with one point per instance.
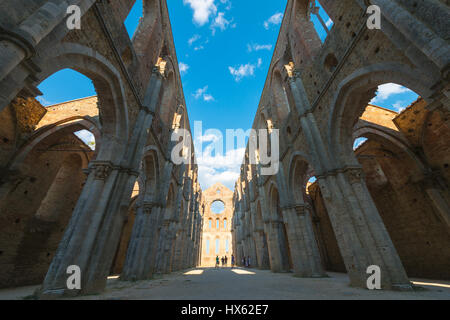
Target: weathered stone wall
{"x": 139, "y": 94}
{"x": 331, "y": 256}
{"x": 328, "y": 87}
{"x": 217, "y": 192}
{"x": 30, "y": 231}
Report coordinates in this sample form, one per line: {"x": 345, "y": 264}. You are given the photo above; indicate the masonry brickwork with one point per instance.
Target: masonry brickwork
{"x": 127, "y": 209}
{"x": 216, "y": 235}
{"x": 124, "y": 208}
{"x": 385, "y": 204}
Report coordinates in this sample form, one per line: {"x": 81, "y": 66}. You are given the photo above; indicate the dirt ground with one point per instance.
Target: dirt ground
{"x": 245, "y": 284}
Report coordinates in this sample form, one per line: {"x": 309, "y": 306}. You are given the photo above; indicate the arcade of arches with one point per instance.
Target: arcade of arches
{"x": 125, "y": 208}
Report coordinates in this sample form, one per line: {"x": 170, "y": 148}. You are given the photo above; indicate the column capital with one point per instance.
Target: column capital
{"x": 300, "y": 209}
{"x": 148, "y": 206}
{"x": 147, "y": 110}
{"x": 156, "y": 70}
{"x": 20, "y": 39}
{"x": 354, "y": 174}
{"x": 276, "y": 222}
{"x": 101, "y": 169}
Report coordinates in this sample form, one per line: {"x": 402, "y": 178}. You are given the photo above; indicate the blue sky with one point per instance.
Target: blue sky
{"x": 224, "y": 49}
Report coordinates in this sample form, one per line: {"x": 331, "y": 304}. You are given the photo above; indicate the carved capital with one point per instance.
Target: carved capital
{"x": 23, "y": 40}
{"x": 294, "y": 74}
{"x": 354, "y": 175}
{"x": 300, "y": 209}
{"x": 276, "y": 223}
{"x": 156, "y": 70}
{"x": 101, "y": 169}
{"x": 148, "y": 207}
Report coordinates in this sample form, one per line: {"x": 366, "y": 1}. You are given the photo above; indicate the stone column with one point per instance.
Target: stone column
{"x": 187, "y": 254}
{"x": 19, "y": 43}
{"x": 181, "y": 245}
{"x": 142, "y": 252}
{"x": 361, "y": 234}
{"x": 139, "y": 254}
{"x": 262, "y": 253}
{"x": 166, "y": 245}
{"x": 372, "y": 231}
{"x": 272, "y": 231}
{"x": 434, "y": 185}
{"x": 279, "y": 259}
{"x": 93, "y": 233}
{"x": 304, "y": 249}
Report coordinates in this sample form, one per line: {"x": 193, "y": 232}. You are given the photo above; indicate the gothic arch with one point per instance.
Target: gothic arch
{"x": 168, "y": 104}
{"x": 68, "y": 125}
{"x": 304, "y": 33}
{"x": 352, "y": 97}
{"x": 107, "y": 81}
{"x": 280, "y": 97}
{"x": 275, "y": 202}
{"x": 151, "y": 175}
{"x": 299, "y": 173}
{"x": 148, "y": 32}
{"x": 296, "y": 157}
{"x": 370, "y": 131}
{"x": 170, "y": 202}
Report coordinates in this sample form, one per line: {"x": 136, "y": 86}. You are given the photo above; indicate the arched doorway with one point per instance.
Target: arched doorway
{"x": 280, "y": 233}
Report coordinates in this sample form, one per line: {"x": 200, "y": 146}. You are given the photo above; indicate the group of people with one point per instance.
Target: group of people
{"x": 245, "y": 261}
{"x": 224, "y": 261}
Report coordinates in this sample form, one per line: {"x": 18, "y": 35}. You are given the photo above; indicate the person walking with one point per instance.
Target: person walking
{"x": 232, "y": 261}
{"x": 226, "y": 261}
{"x": 217, "y": 261}
{"x": 248, "y": 262}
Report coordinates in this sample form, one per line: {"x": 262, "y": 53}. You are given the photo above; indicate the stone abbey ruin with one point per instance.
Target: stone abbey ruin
{"x": 125, "y": 208}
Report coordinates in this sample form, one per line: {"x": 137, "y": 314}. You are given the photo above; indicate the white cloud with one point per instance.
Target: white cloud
{"x": 258, "y": 47}
{"x": 213, "y": 165}
{"x": 387, "y": 90}
{"x": 243, "y": 71}
{"x": 202, "y": 10}
{"x": 220, "y": 22}
{"x": 87, "y": 137}
{"x": 44, "y": 101}
{"x": 359, "y": 142}
{"x": 183, "y": 67}
{"x": 201, "y": 93}
{"x": 207, "y": 138}
{"x": 399, "y": 106}
{"x": 227, "y": 3}
{"x": 329, "y": 23}
{"x": 219, "y": 168}
{"x": 194, "y": 38}
{"x": 273, "y": 20}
